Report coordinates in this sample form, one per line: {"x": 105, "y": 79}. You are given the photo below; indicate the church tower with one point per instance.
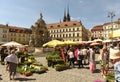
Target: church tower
{"x": 64, "y": 18}
{"x": 66, "y": 15}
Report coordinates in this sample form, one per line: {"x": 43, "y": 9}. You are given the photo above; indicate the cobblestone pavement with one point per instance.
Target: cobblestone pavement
{"x": 70, "y": 75}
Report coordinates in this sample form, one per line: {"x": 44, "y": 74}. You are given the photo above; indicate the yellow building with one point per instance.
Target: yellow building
{"x": 4, "y": 33}
{"x": 109, "y": 27}
{"x": 68, "y": 30}
{"x": 97, "y": 32}
{"x": 19, "y": 34}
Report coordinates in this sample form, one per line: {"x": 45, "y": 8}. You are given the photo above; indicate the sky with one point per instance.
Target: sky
{"x": 24, "y": 13}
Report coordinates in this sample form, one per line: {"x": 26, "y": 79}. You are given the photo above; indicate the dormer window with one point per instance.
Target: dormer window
{"x": 58, "y": 25}
{"x": 51, "y": 26}
{"x": 66, "y": 25}
{"x": 74, "y": 24}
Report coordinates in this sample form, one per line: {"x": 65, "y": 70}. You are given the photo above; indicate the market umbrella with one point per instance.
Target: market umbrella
{"x": 89, "y": 41}
{"x": 97, "y": 40}
{"x": 52, "y": 43}
{"x": 115, "y": 34}
{"x": 107, "y": 41}
{"x": 70, "y": 43}
{"x": 82, "y": 42}
{"x": 94, "y": 44}
{"x": 12, "y": 43}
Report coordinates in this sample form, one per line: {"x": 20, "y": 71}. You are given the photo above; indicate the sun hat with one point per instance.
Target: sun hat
{"x": 114, "y": 53}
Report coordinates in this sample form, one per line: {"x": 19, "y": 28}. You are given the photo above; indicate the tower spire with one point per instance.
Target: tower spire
{"x": 64, "y": 18}
{"x": 68, "y": 15}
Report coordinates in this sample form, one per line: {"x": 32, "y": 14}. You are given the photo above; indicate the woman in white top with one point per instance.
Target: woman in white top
{"x": 71, "y": 57}
{"x": 12, "y": 62}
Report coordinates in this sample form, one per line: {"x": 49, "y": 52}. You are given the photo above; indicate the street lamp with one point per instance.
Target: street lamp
{"x": 111, "y": 15}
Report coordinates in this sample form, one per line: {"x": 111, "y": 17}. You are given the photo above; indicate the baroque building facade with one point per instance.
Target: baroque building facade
{"x": 105, "y": 30}
{"x": 40, "y": 34}
{"x": 4, "y": 33}
{"x": 13, "y": 33}
{"x": 19, "y": 34}
{"x": 109, "y": 27}
{"x": 68, "y": 30}
{"x": 97, "y": 32}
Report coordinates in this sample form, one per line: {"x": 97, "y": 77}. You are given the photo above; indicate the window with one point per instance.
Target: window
{"x": 63, "y": 30}
{"x": 66, "y": 25}
{"x": 58, "y": 25}
{"x": 57, "y": 35}
{"x": 69, "y": 29}
{"x": 74, "y": 24}
{"x": 4, "y": 31}
{"x": 4, "y": 36}
{"x": 50, "y": 31}
{"x": 66, "y": 35}
{"x": 73, "y": 34}
{"x": 51, "y": 26}
{"x": 63, "y": 35}
{"x": 77, "y": 34}
{"x": 69, "y": 35}
{"x": 51, "y": 36}
{"x": 73, "y": 29}
{"x": 66, "y": 30}
{"x": 60, "y": 35}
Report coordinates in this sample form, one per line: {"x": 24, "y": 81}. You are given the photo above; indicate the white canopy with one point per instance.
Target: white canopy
{"x": 97, "y": 40}
{"x": 12, "y": 43}
{"x": 106, "y": 41}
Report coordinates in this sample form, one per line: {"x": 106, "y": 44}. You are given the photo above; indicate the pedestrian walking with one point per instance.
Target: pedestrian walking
{"x": 105, "y": 61}
{"x": 92, "y": 60}
{"x": 12, "y": 62}
{"x": 80, "y": 58}
{"x": 71, "y": 58}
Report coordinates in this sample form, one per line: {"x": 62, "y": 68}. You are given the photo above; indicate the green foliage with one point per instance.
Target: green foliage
{"x": 110, "y": 78}
{"x": 29, "y": 65}
{"x": 53, "y": 55}
{"x": 61, "y": 67}
{"x": 22, "y": 54}
{"x": 40, "y": 71}
{"x": 19, "y": 54}
{"x": 44, "y": 67}
{"x": 54, "y": 58}
{"x": 37, "y": 64}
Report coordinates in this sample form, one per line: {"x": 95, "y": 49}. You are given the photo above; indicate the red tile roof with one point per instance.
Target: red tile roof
{"x": 64, "y": 24}
{"x": 97, "y": 28}
{"x": 18, "y": 29}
